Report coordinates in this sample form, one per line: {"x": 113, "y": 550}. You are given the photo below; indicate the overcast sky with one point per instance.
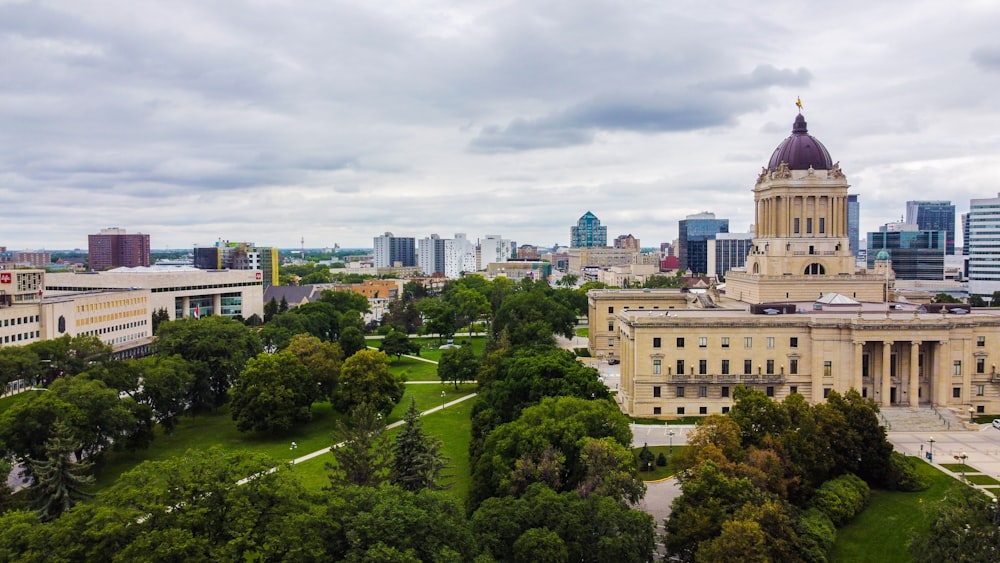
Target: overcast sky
{"x": 333, "y": 121}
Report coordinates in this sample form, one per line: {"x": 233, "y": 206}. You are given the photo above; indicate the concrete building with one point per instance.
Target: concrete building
{"x": 114, "y": 248}
{"x": 983, "y": 242}
{"x": 226, "y": 255}
{"x": 627, "y": 242}
{"x": 494, "y": 249}
{"x": 598, "y": 257}
{"x": 391, "y": 251}
{"x": 518, "y": 270}
{"x": 588, "y": 232}
{"x": 801, "y": 318}
{"x": 692, "y": 241}
{"x": 934, "y": 216}
{"x": 728, "y": 251}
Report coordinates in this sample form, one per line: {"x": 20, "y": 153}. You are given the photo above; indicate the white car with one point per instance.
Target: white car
{"x": 996, "y": 423}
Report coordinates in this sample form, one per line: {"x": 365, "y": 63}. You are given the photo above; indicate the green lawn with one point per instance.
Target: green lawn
{"x": 658, "y": 472}
{"x": 981, "y": 480}
{"x": 583, "y": 332}
{"x": 882, "y": 531}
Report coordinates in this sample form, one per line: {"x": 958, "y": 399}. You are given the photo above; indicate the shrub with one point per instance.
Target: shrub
{"x": 816, "y": 534}
{"x": 842, "y": 498}
{"x": 903, "y": 474}
{"x": 661, "y": 460}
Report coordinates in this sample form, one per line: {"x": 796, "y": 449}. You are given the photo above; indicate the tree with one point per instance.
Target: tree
{"x": 439, "y": 317}
{"x": 365, "y": 378}
{"x": 417, "y": 460}
{"x": 18, "y": 362}
{"x": 352, "y": 340}
{"x": 646, "y": 459}
{"x": 977, "y": 301}
{"x": 273, "y": 393}
{"x": 397, "y": 344}
{"x": 323, "y": 359}
{"x": 568, "y": 280}
{"x": 469, "y": 305}
{"x": 458, "y": 364}
{"x": 159, "y": 316}
{"x": 61, "y": 482}
{"x": 533, "y": 317}
{"x": 97, "y": 416}
{"x": 361, "y": 449}
{"x": 216, "y": 349}
{"x": 270, "y": 310}
{"x": 165, "y": 383}
{"x": 963, "y": 527}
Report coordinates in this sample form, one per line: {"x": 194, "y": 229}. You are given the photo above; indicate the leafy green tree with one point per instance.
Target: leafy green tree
{"x": 439, "y": 317}
{"x": 361, "y": 449}
{"x": 352, "y": 340}
{"x": 943, "y": 297}
{"x": 278, "y": 333}
{"x": 270, "y": 310}
{"x": 323, "y": 359}
{"x": 568, "y": 280}
{"x": 216, "y": 349}
{"x": 533, "y": 317}
{"x": 977, "y": 301}
{"x": 165, "y": 384}
{"x": 469, "y": 305}
{"x": 365, "y": 378}
{"x": 458, "y": 364}
{"x": 60, "y": 481}
{"x": 757, "y": 416}
{"x": 27, "y": 425}
{"x": 397, "y": 344}
{"x": 862, "y": 447}
{"x": 740, "y": 541}
{"x": 963, "y": 527}
{"x": 68, "y": 355}
{"x": 346, "y": 301}
{"x": 159, "y": 316}
{"x": 405, "y": 315}
{"x": 417, "y": 461}
{"x": 273, "y": 393}
{"x": 18, "y": 362}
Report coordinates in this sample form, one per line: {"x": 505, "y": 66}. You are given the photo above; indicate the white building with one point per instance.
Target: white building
{"x": 984, "y": 245}
{"x": 494, "y": 249}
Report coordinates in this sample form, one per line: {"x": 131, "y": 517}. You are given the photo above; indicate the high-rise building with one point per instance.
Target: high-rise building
{"x": 728, "y": 251}
{"x": 984, "y": 246}
{"x": 694, "y": 232}
{"x": 588, "y": 232}
{"x": 494, "y": 249}
{"x": 853, "y": 223}
{"x": 392, "y": 250}
{"x": 114, "y": 248}
{"x": 916, "y": 254}
{"x": 933, "y": 216}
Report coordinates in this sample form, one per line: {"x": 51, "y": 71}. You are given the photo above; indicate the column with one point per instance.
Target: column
{"x": 914, "y": 375}
{"x": 942, "y": 374}
{"x": 886, "y": 373}
{"x": 217, "y": 304}
{"x": 857, "y": 380}
{"x": 185, "y": 306}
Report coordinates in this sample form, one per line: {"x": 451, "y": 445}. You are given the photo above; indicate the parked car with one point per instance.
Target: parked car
{"x": 615, "y": 361}
{"x": 996, "y": 423}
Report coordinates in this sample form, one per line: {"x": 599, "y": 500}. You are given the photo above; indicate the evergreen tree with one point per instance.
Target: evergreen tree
{"x": 60, "y": 480}
{"x": 417, "y": 459}
{"x": 361, "y": 450}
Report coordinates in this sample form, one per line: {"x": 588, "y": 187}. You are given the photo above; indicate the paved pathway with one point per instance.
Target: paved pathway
{"x": 982, "y": 448}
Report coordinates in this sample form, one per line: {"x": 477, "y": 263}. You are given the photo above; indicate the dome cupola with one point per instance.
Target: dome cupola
{"x": 801, "y": 150}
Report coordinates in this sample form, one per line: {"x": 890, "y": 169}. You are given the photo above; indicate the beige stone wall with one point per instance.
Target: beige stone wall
{"x": 748, "y": 288}
{"x": 603, "y": 306}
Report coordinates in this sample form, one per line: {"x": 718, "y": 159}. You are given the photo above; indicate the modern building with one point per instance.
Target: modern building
{"x": 916, "y": 254}
{"x": 694, "y": 234}
{"x": 430, "y": 255}
{"x": 728, "y": 251}
{"x": 588, "y": 232}
{"x": 854, "y": 222}
{"x": 801, "y": 318}
{"x": 114, "y": 248}
{"x": 493, "y": 249}
{"x": 933, "y": 216}
{"x": 983, "y": 242}
{"x": 226, "y": 255}
{"x": 391, "y": 251}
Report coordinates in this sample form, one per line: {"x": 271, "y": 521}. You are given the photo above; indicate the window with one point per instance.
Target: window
{"x": 980, "y": 365}
{"x": 864, "y": 366}
{"x": 725, "y": 367}
{"x": 809, "y": 225}
{"x": 703, "y": 391}
{"x": 657, "y": 410}
{"x": 656, "y": 342}
{"x": 725, "y": 342}
{"x": 702, "y": 367}
{"x": 702, "y": 410}
{"x": 980, "y": 341}
{"x": 725, "y": 410}
{"x": 747, "y": 367}
{"x": 793, "y": 366}
{"x": 703, "y": 342}
{"x": 680, "y": 367}
{"x": 656, "y": 391}
{"x": 822, "y": 225}
{"x": 770, "y": 342}
{"x": 770, "y": 390}
{"x": 725, "y": 391}
{"x": 656, "y": 367}
{"x": 748, "y": 342}
{"x": 956, "y": 392}
{"x": 957, "y": 367}
{"x": 980, "y": 390}
{"x": 770, "y": 367}
{"x": 680, "y": 342}
{"x": 680, "y": 391}
{"x": 892, "y": 365}
{"x": 793, "y": 342}
{"x": 611, "y": 309}
{"x": 611, "y": 342}
{"x": 796, "y": 225}
{"x": 793, "y": 389}
{"x": 827, "y": 368}
{"x": 826, "y": 392}
{"x": 611, "y": 326}
{"x": 680, "y": 410}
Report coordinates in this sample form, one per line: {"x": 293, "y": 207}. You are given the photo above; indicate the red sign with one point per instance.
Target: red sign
{"x": 6, "y": 277}
{"x": 259, "y": 275}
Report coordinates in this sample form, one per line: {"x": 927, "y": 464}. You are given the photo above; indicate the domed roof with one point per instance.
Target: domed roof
{"x": 801, "y": 150}
{"x": 882, "y": 255}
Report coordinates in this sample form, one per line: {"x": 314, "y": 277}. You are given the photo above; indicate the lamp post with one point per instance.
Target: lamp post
{"x": 442, "y": 400}
{"x": 292, "y": 449}
{"x": 930, "y": 454}
{"x": 671, "y": 435}
{"x": 963, "y": 456}
{"x": 972, "y": 415}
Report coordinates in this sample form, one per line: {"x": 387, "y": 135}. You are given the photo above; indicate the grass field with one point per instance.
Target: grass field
{"x": 658, "y": 472}
{"x": 881, "y": 533}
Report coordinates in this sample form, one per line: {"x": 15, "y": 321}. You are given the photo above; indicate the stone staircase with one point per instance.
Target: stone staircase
{"x": 924, "y": 419}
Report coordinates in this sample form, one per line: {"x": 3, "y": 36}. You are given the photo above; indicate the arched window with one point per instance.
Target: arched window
{"x": 815, "y": 269}
{"x": 756, "y": 268}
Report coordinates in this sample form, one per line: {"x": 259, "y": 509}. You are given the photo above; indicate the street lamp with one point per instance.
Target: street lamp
{"x": 442, "y": 400}
{"x": 292, "y": 449}
{"x": 930, "y": 454}
{"x": 963, "y": 456}
{"x": 972, "y": 415}
{"x": 671, "y": 435}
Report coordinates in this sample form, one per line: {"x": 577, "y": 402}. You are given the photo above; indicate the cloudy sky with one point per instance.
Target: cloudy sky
{"x": 334, "y": 121}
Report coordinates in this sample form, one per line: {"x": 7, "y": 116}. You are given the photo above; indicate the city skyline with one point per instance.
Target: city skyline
{"x": 335, "y": 122}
